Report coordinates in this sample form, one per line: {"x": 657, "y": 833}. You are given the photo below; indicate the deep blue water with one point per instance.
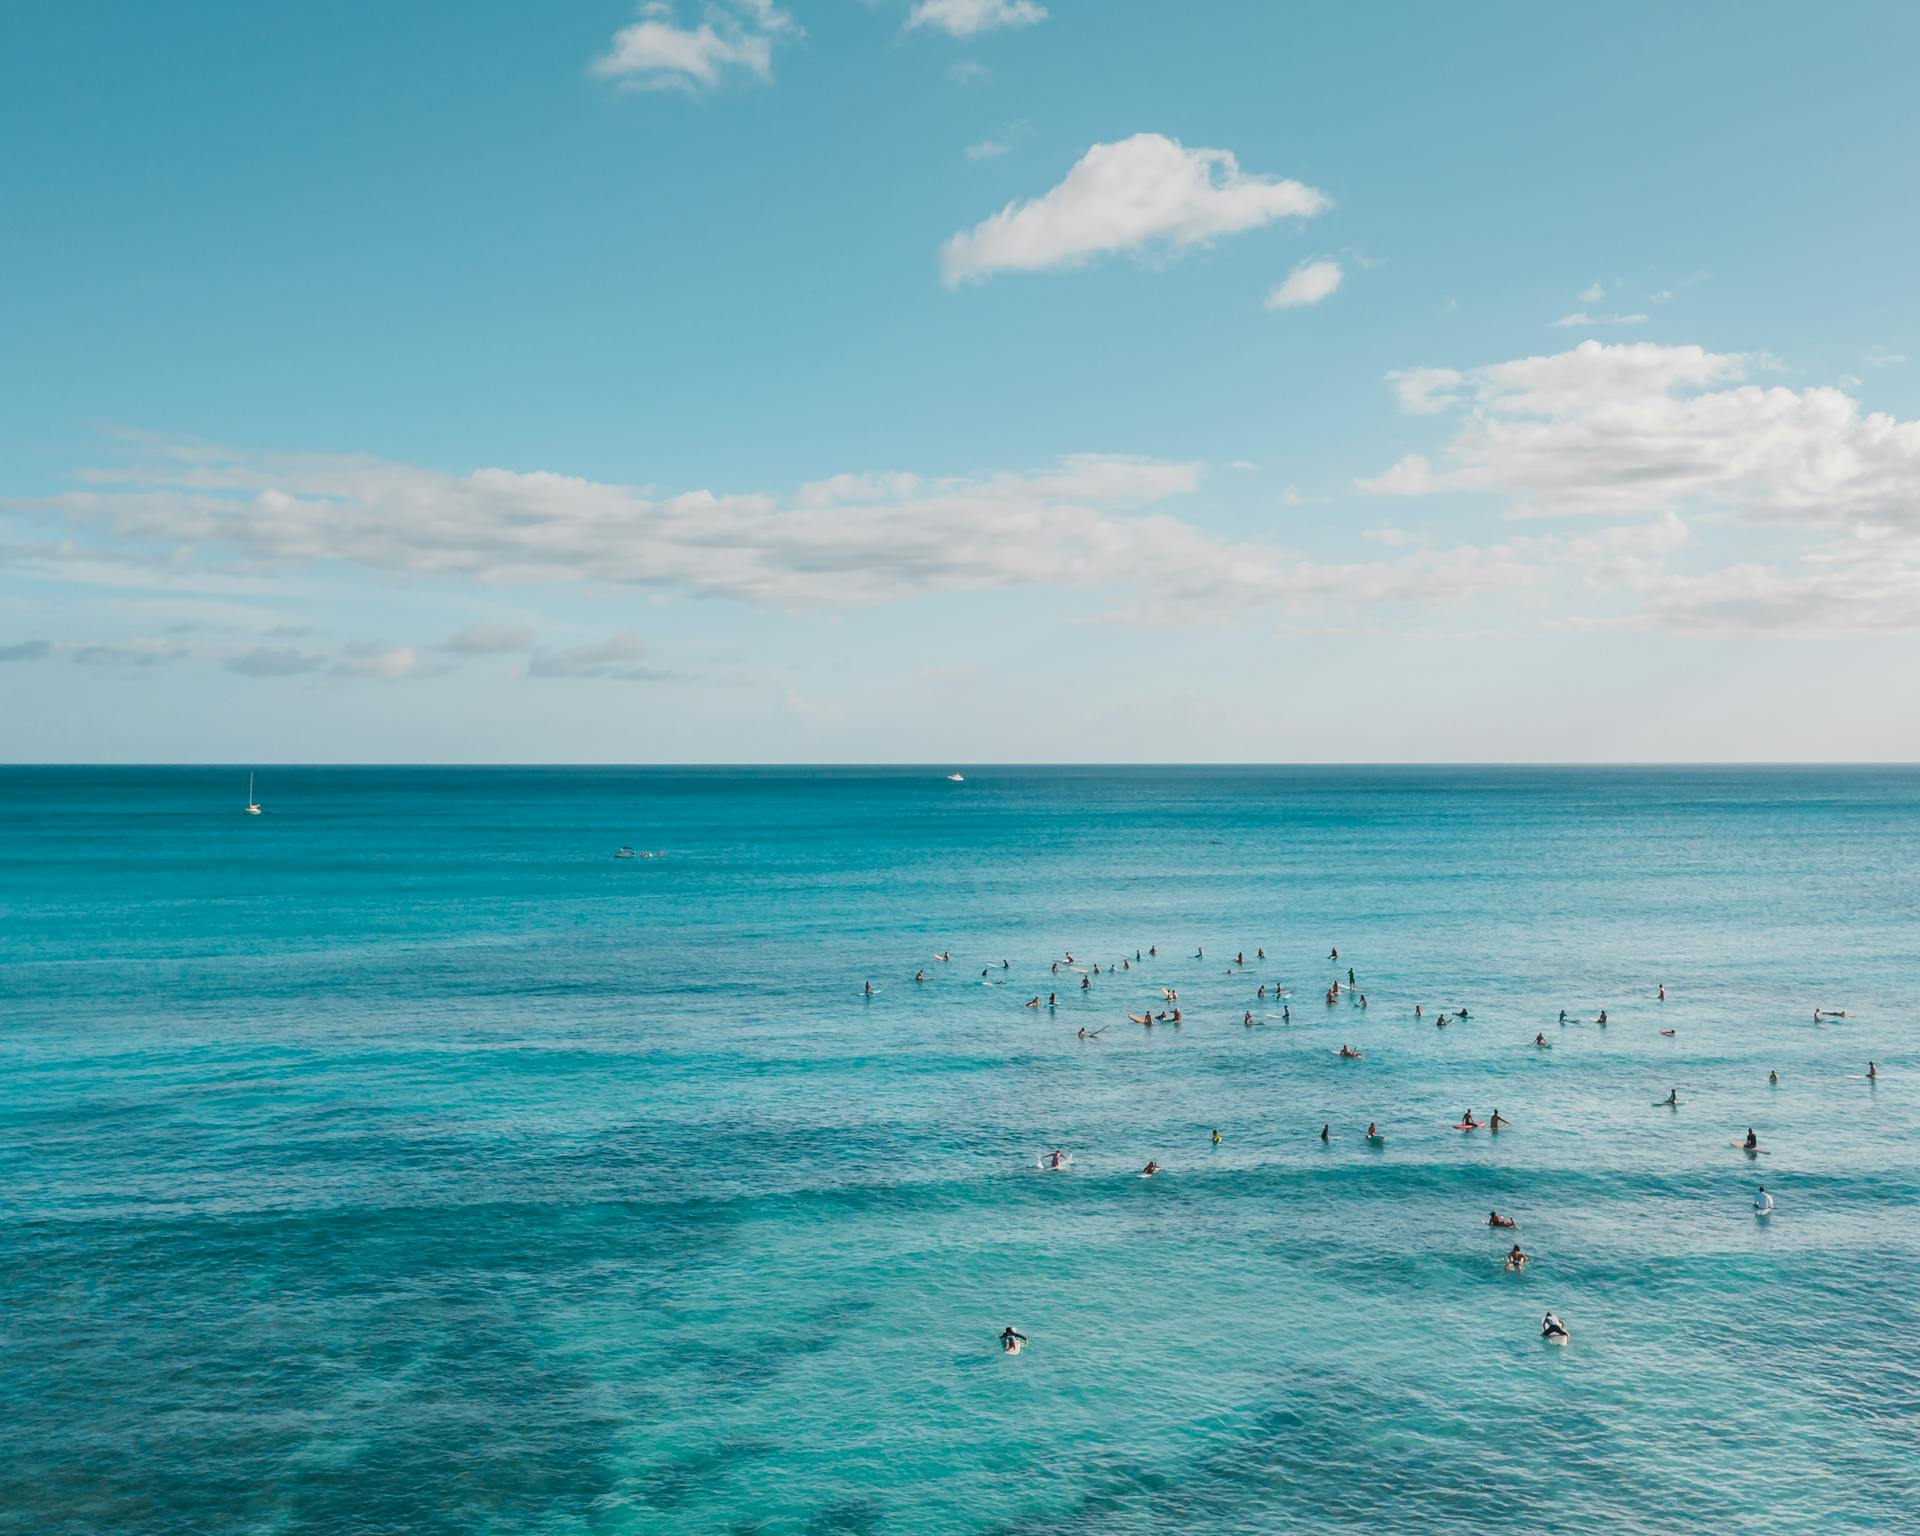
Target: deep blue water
{"x": 400, "y": 1161}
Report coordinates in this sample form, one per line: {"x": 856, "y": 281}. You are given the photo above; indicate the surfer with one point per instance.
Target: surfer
{"x": 1057, "y": 1161}
{"x": 1763, "y": 1203}
{"x": 1468, "y": 1123}
{"x": 1083, "y": 1031}
{"x": 1752, "y": 1143}
{"x": 1216, "y": 1136}
{"x": 1085, "y": 983}
{"x": 1671, "y": 1101}
{"x": 1333, "y": 954}
{"x": 1247, "y": 1018}
{"x": 1541, "y": 1041}
{"x": 1199, "y": 954}
{"x": 1516, "y": 1260}
{"x": 1323, "y": 1133}
{"x": 1150, "y": 1170}
{"x": 869, "y": 989}
{"x": 1563, "y": 1015}
{"x": 1495, "y": 1219}
{"x": 1286, "y": 1014}
{"x": 1873, "y": 1072}
{"x": 1552, "y": 1328}
{"x": 1498, "y": 1122}
{"x": 1773, "y": 1079}
{"x": 1417, "y": 1013}
{"x": 1349, "y": 975}
{"x": 1663, "y": 991}
{"x": 1053, "y": 1000}
{"x": 919, "y": 975}
{"x": 1373, "y": 1132}
{"x": 1603, "y": 1017}
{"x": 1011, "y": 1341}
{"x": 1259, "y": 954}
{"x": 1033, "y": 1002}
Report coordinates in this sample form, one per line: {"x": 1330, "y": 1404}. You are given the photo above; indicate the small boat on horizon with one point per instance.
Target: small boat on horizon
{"x": 625, "y": 853}
{"x": 956, "y": 778}
{"x": 253, "y": 805}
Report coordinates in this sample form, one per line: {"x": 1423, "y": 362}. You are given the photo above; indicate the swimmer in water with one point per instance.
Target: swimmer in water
{"x": 919, "y": 975}
{"x": 1663, "y": 991}
{"x": 1495, "y": 1219}
{"x": 1083, "y": 1031}
{"x": 1333, "y": 954}
{"x": 1563, "y": 1015}
{"x": 1516, "y": 1260}
{"x": 1034, "y": 1001}
{"x": 1057, "y": 1161}
{"x": 1417, "y": 1013}
{"x": 1498, "y": 1122}
{"x": 1603, "y": 1017}
{"x": 1216, "y": 1137}
{"x": 1323, "y": 1133}
{"x": 1373, "y": 1132}
{"x": 1150, "y": 1170}
{"x": 1363, "y": 999}
{"x": 1259, "y": 954}
{"x": 1540, "y": 1040}
{"x": 1085, "y": 983}
{"x": 1262, "y": 992}
{"x": 1773, "y": 1079}
{"x": 1011, "y": 1341}
{"x": 1286, "y": 1014}
{"x": 1176, "y": 1016}
{"x": 1152, "y": 950}
{"x": 1241, "y": 958}
{"x": 1247, "y": 1018}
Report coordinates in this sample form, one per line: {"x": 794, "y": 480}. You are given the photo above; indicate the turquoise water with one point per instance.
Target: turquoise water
{"x": 399, "y": 1161}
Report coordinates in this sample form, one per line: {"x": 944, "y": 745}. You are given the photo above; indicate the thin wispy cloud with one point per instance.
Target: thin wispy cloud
{"x": 1148, "y": 192}
{"x": 1581, "y": 318}
{"x": 969, "y": 18}
{"x": 658, "y": 52}
{"x": 1306, "y": 284}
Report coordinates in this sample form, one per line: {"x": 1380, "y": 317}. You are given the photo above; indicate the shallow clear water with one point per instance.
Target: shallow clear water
{"x": 399, "y": 1161}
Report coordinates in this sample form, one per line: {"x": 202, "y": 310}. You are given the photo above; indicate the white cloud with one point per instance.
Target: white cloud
{"x": 617, "y": 657}
{"x": 657, "y": 53}
{"x": 1881, "y": 357}
{"x": 1581, "y": 318}
{"x": 1148, "y": 190}
{"x": 967, "y": 18}
{"x": 968, "y": 72}
{"x": 1425, "y": 391}
{"x": 987, "y": 149}
{"x": 1647, "y": 428}
{"x": 1661, "y": 296}
{"x": 369, "y": 658}
{"x": 1308, "y": 283}
{"x": 1092, "y": 524}
{"x": 490, "y": 640}
{"x": 1593, "y": 293}
{"x": 274, "y": 661}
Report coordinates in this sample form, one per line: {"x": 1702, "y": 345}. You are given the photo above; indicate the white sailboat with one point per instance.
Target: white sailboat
{"x": 253, "y": 805}
{"x": 956, "y": 778}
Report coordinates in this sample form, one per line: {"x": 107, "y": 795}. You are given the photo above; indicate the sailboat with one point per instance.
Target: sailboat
{"x": 253, "y": 805}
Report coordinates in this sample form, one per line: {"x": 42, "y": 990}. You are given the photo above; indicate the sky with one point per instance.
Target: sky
{"x": 958, "y": 381}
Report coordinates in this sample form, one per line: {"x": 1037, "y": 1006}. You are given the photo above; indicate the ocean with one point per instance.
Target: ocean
{"x": 400, "y": 1161}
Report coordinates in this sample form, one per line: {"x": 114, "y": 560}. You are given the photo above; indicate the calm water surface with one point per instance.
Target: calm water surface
{"x": 400, "y": 1161}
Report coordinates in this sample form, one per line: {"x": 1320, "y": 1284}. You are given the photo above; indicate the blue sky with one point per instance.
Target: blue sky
{"x": 958, "y": 380}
